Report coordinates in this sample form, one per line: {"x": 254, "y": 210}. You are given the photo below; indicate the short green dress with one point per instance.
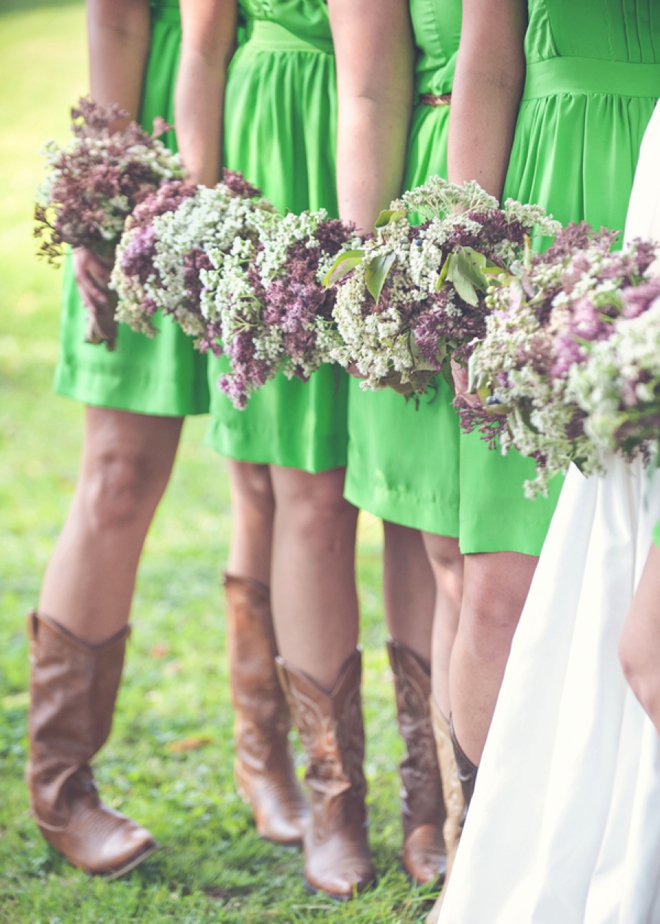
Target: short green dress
{"x": 403, "y": 459}
{"x": 164, "y": 376}
{"x": 280, "y": 132}
{"x": 593, "y": 78}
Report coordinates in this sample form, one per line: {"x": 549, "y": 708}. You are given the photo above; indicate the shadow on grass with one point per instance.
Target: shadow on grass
{"x": 13, "y": 6}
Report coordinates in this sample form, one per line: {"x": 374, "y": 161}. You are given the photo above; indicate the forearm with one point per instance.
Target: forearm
{"x": 209, "y": 35}
{"x": 199, "y": 106}
{"x": 118, "y": 34}
{"x": 375, "y": 56}
{"x": 371, "y": 150}
{"x": 490, "y": 74}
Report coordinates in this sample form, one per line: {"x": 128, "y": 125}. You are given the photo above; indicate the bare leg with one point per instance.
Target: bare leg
{"x": 639, "y": 648}
{"x": 253, "y": 507}
{"x": 496, "y": 587}
{"x": 408, "y": 589}
{"x": 314, "y": 597}
{"x": 126, "y": 464}
{"x": 447, "y": 567}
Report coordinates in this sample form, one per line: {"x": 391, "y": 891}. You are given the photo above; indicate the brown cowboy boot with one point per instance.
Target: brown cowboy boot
{"x": 73, "y": 688}
{"x": 264, "y": 768}
{"x": 422, "y": 806}
{"x": 337, "y": 858}
{"x": 454, "y": 793}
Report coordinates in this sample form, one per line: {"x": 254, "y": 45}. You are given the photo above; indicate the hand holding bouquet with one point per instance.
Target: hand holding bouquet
{"x": 547, "y": 327}
{"x": 414, "y": 296}
{"x": 172, "y": 239}
{"x": 92, "y": 185}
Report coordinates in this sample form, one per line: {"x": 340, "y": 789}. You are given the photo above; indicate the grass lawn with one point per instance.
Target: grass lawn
{"x": 212, "y": 867}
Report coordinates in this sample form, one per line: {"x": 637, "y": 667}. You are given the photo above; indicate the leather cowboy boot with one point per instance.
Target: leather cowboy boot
{"x": 73, "y": 688}
{"x": 456, "y": 803}
{"x": 264, "y": 768}
{"x": 467, "y": 771}
{"x": 422, "y": 806}
{"x": 337, "y": 858}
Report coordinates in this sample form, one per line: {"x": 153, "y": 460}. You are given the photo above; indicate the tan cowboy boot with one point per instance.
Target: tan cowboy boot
{"x": 422, "y": 806}
{"x": 457, "y": 788}
{"x": 73, "y": 688}
{"x": 337, "y": 858}
{"x": 264, "y": 768}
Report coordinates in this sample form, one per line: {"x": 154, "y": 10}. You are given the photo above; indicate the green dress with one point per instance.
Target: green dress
{"x": 593, "y": 78}
{"x": 164, "y": 376}
{"x": 403, "y": 459}
{"x": 280, "y": 132}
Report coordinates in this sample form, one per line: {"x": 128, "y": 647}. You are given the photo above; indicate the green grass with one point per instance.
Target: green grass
{"x": 212, "y": 867}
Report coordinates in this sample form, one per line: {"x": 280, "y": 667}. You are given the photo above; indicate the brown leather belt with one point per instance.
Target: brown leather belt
{"x": 429, "y": 99}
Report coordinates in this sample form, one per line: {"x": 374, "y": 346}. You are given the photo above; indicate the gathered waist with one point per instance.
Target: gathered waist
{"x": 591, "y": 77}
{"x": 271, "y": 36}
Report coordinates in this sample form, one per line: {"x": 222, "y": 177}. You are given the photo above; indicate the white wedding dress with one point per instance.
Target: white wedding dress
{"x": 564, "y": 827}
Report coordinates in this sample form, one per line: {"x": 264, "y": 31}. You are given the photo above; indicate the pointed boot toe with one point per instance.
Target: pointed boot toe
{"x": 280, "y": 809}
{"x": 424, "y": 855}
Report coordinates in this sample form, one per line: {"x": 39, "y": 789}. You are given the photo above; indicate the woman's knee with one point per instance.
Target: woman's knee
{"x": 252, "y": 488}
{"x": 120, "y": 488}
{"x": 315, "y": 503}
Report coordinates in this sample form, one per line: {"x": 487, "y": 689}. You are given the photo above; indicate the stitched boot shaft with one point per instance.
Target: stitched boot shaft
{"x": 455, "y": 804}
{"x": 467, "y": 771}
{"x": 337, "y": 857}
{"x": 422, "y": 806}
{"x": 73, "y": 689}
{"x": 264, "y": 762}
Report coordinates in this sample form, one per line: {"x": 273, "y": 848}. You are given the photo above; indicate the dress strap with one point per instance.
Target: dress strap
{"x": 591, "y": 77}
{"x": 271, "y": 36}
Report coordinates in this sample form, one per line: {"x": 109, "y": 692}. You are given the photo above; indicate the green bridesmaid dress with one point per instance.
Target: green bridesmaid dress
{"x": 593, "y": 78}
{"x": 164, "y": 376}
{"x": 280, "y": 132}
{"x": 403, "y": 458}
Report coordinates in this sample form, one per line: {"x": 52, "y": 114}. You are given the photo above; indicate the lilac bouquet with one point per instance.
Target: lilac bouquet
{"x": 267, "y": 301}
{"x": 413, "y": 296}
{"x": 618, "y": 388}
{"x": 93, "y": 184}
{"x": 545, "y": 327}
{"x": 174, "y": 237}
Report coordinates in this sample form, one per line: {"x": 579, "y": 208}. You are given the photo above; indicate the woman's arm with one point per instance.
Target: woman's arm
{"x": 375, "y": 57}
{"x": 490, "y": 74}
{"x": 208, "y": 41}
{"x": 639, "y": 648}
{"x": 118, "y": 42}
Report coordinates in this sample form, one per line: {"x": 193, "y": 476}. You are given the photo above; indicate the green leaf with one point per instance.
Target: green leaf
{"x": 344, "y": 263}
{"x": 470, "y": 264}
{"x": 377, "y": 272}
{"x": 465, "y": 288}
{"x": 448, "y": 264}
{"x": 474, "y": 379}
{"x": 389, "y": 215}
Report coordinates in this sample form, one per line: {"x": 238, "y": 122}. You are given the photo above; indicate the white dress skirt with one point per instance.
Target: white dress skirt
{"x": 564, "y": 826}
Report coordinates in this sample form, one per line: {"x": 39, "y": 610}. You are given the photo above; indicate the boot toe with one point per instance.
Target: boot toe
{"x": 424, "y": 854}
{"x": 282, "y": 828}
{"x": 127, "y": 845}
{"x": 280, "y": 809}
{"x": 342, "y": 878}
